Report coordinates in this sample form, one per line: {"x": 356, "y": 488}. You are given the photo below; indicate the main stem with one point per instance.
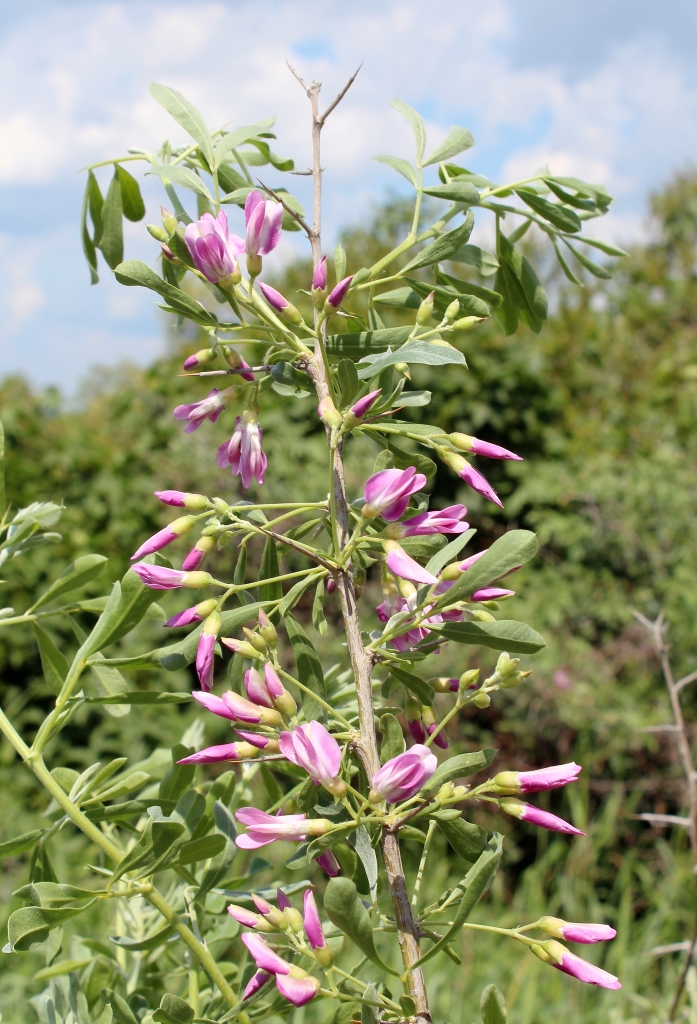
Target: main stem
{"x": 361, "y": 662}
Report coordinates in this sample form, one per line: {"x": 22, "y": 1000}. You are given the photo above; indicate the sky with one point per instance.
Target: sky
{"x": 603, "y": 89}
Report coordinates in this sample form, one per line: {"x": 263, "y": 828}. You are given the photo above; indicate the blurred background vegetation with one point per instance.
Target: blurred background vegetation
{"x": 603, "y": 407}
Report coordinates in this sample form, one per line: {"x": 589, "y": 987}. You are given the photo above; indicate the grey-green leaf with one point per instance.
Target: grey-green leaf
{"x": 425, "y": 352}
{"x": 456, "y": 141}
{"x": 355, "y": 346}
{"x": 135, "y": 273}
{"x": 186, "y": 115}
{"x": 111, "y": 242}
{"x": 417, "y": 125}
{"x": 443, "y": 248}
{"x": 485, "y": 262}
{"x": 502, "y": 635}
{"x": 455, "y": 192}
{"x": 459, "y": 767}
{"x": 77, "y": 574}
{"x": 309, "y": 670}
{"x": 402, "y": 167}
{"x": 182, "y": 176}
{"x": 30, "y": 926}
{"x": 173, "y": 1010}
{"x": 20, "y": 844}
{"x": 131, "y": 199}
{"x": 53, "y": 662}
{"x": 393, "y": 742}
{"x": 345, "y": 909}
{"x": 467, "y": 839}
{"x": 513, "y": 549}
{"x": 493, "y": 1006}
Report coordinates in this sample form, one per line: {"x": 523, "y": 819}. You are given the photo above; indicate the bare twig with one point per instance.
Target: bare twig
{"x": 662, "y": 819}
{"x": 685, "y": 680}
{"x": 339, "y": 98}
{"x": 656, "y": 630}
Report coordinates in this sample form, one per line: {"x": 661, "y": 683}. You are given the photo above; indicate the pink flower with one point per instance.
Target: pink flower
{"x": 392, "y": 605}
{"x": 415, "y": 724}
{"x": 363, "y": 405}
{"x": 527, "y": 812}
{"x": 195, "y": 614}
{"x": 273, "y": 297}
{"x": 205, "y": 653}
{"x": 491, "y": 594}
{"x": 257, "y": 981}
{"x": 264, "y": 958}
{"x": 159, "y": 577}
{"x": 387, "y": 493}
{"x": 329, "y": 864}
{"x": 197, "y": 556}
{"x": 243, "y": 452}
{"x": 216, "y": 705}
{"x": 404, "y": 775}
{"x": 263, "y": 219}
{"x": 466, "y": 443}
{"x": 209, "y": 408}
{"x": 297, "y": 986}
{"x": 405, "y": 567}
{"x": 213, "y": 250}
{"x": 263, "y": 828}
{"x": 574, "y": 932}
{"x": 164, "y": 537}
{"x": 314, "y": 749}
{"x": 222, "y": 752}
{"x": 246, "y": 711}
{"x": 266, "y": 743}
{"x": 183, "y": 499}
{"x": 467, "y": 563}
{"x": 479, "y": 483}
{"x": 257, "y": 690}
{"x": 312, "y": 922}
{"x": 319, "y": 277}
{"x": 446, "y": 521}
{"x": 537, "y": 781}
{"x": 573, "y": 965}
{"x": 338, "y": 293}
{"x": 244, "y": 917}
{"x": 292, "y": 982}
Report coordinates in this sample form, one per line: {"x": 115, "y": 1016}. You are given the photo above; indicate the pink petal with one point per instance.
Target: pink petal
{"x": 399, "y": 562}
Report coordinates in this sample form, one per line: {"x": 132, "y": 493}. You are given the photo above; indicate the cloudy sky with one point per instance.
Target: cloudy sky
{"x": 605, "y": 89}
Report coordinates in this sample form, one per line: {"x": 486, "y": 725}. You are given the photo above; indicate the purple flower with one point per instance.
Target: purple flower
{"x": 243, "y": 452}
{"x": 190, "y": 615}
{"x": 183, "y": 499}
{"x": 213, "y": 250}
{"x": 429, "y": 719}
{"x": 446, "y": 521}
{"x": 298, "y": 987}
{"x": 263, "y": 219}
{"x": 164, "y": 537}
{"x": 537, "y": 781}
{"x": 248, "y": 919}
{"x": 338, "y": 293}
{"x": 205, "y": 653}
{"x": 405, "y": 567}
{"x": 257, "y": 981}
{"x": 222, "y": 752}
{"x": 158, "y": 577}
{"x": 575, "y": 932}
{"x": 415, "y": 725}
{"x": 313, "y": 929}
{"x": 274, "y": 298}
{"x": 527, "y": 812}
{"x": 479, "y": 483}
{"x": 490, "y": 451}
{"x": 329, "y": 864}
{"x": 491, "y": 594}
{"x": 266, "y": 743}
{"x": 362, "y": 406}
{"x": 263, "y": 828}
{"x": 209, "y": 408}
{"x": 560, "y": 957}
{"x": 314, "y": 749}
{"x": 197, "y": 556}
{"x": 319, "y": 277}
{"x": 237, "y": 709}
{"x": 404, "y": 775}
{"x": 387, "y": 493}
{"x": 263, "y": 956}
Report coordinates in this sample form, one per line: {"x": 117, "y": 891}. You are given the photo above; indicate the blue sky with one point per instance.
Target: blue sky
{"x": 606, "y": 89}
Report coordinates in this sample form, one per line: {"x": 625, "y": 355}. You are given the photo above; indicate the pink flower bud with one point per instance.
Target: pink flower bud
{"x": 190, "y": 615}
{"x": 222, "y": 752}
{"x": 248, "y": 919}
{"x": 158, "y": 577}
{"x": 197, "y": 556}
{"x": 205, "y": 654}
{"x": 200, "y": 358}
{"x": 470, "y": 475}
{"x": 329, "y": 864}
{"x": 314, "y": 749}
{"x": 263, "y": 828}
{"x": 164, "y": 537}
{"x": 319, "y": 277}
{"x": 263, "y": 219}
{"x": 490, "y": 451}
{"x": 338, "y": 293}
{"x": 537, "y": 781}
{"x": 574, "y": 932}
{"x": 312, "y": 921}
{"x": 182, "y": 499}
{"x": 256, "y": 688}
{"x": 404, "y": 566}
{"x": 562, "y": 959}
{"x": 491, "y": 594}
{"x": 363, "y": 405}
{"x": 257, "y": 981}
{"x": 404, "y": 775}
{"x": 527, "y": 812}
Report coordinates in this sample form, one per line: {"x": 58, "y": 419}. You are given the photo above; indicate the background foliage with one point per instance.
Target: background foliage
{"x": 603, "y": 406}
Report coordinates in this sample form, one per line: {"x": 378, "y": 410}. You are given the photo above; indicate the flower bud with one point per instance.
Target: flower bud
{"x": 200, "y": 358}
{"x": 203, "y": 546}
{"x": 196, "y": 580}
{"x": 338, "y": 294}
{"x": 444, "y": 684}
{"x": 451, "y": 572}
{"x": 257, "y": 642}
{"x": 319, "y": 277}
{"x": 157, "y": 232}
{"x": 412, "y": 711}
{"x": 481, "y": 699}
{"x": 276, "y": 918}
{"x": 425, "y": 310}
{"x": 183, "y": 499}
{"x": 467, "y": 323}
{"x": 403, "y": 369}
{"x": 169, "y": 221}
{"x": 241, "y": 647}
{"x": 329, "y": 414}
{"x": 469, "y": 680}
{"x": 267, "y": 628}
{"x": 428, "y": 717}
{"x": 324, "y": 956}
{"x": 253, "y": 266}
{"x": 452, "y": 310}
{"x": 294, "y": 919}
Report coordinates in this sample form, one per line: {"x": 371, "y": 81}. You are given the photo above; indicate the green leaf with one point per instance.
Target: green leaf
{"x": 393, "y": 742}
{"x": 399, "y": 298}
{"x": 507, "y": 313}
{"x": 444, "y": 247}
{"x": 449, "y": 553}
{"x": 77, "y": 574}
{"x": 415, "y": 684}
{"x": 308, "y": 668}
{"x": 30, "y": 926}
{"x": 424, "y": 352}
{"x": 348, "y": 381}
{"x": 611, "y": 250}
{"x": 466, "y": 288}
{"x": 238, "y": 137}
{"x": 179, "y": 777}
{"x": 11, "y": 847}
{"x": 523, "y": 284}
{"x": 576, "y": 201}
{"x": 340, "y": 262}
{"x": 173, "y": 1010}
{"x": 493, "y": 1006}
{"x": 135, "y": 273}
{"x": 88, "y": 247}
{"x": 267, "y": 570}
{"x": 355, "y": 346}
{"x": 318, "y": 619}
{"x": 417, "y": 125}
{"x": 294, "y": 594}
{"x": 122, "y": 1013}
{"x": 111, "y": 241}
{"x": 502, "y": 635}
{"x": 59, "y": 969}
{"x": 345, "y": 909}
{"x": 513, "y": 549}
{"x": 125, "y": 608}
{"x": 133, "y": 205}
{"x": 53, "y": 662}
{"x": 474, "y": 885}
{"x": 568, "y": 272}
{"x": 186, "y": 115}
{"x": 201, "y": 849}
{"x": 402, "y": 167}
{"x": 467, "y": 839}
{"x": 595, "y": 269}
{"x": 402, "y": 460}
{"x": 360, "y": 841}
{"x": 290, "y": 376}
{"x": 455, "y": 192}
{"x": 370, "y": 1014}
{"x": 459, "y": 767}
{"x": 134, "y": 946}
{"x": 51, "y": 894}
{"x": 485, "y": 262}
{"x": 140, "y": 696}
{"x": 456, "y": 141}
{"x": 155, "y": 843}
{"x": 182, "y": 176}
{"x": 560, "y": 216}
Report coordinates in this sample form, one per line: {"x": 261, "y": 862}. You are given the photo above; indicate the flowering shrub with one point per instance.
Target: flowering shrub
{"x": 178, "y": 842}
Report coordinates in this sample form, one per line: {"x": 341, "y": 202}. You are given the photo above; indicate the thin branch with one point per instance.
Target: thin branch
{"x": 685, "y": 680}
{"x": 339, "y": 98}
{"x": 296, "y": 216}
{"x": 662, "y": 819}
